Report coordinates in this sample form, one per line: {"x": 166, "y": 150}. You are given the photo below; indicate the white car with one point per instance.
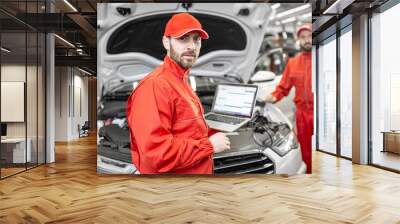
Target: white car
{"x": 129, "y": 47}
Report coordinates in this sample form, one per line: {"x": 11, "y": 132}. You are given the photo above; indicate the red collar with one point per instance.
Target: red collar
{"x": 175, "y": 68}
{"x": 306, "y": 53}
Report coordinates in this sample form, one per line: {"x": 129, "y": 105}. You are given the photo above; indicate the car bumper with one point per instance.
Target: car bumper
{"x": 110, "y": 166}
{"x": 291, "y": 163}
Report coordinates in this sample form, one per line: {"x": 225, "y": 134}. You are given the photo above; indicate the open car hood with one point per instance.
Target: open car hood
{"x": 129, "y": 39}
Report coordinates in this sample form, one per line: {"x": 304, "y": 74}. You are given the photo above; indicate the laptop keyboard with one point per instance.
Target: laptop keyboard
{"x": 225, "y": 119}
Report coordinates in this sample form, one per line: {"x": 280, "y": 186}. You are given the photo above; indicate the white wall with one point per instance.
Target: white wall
{"x": 61, "y": 103}
{"x": 80, "y": 83}
{"x": 69, "y": 82}
{"x": 16, "y": 73}
{"x": 33, "y": 126}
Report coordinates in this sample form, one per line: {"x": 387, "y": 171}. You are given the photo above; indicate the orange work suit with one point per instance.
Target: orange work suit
{"x": 298, "y": 74}
{"x": 167, "y": 130}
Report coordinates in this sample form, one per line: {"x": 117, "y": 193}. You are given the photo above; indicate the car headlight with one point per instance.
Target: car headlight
{"x": 286, "y": 145}
{"x": 295, "y": 143}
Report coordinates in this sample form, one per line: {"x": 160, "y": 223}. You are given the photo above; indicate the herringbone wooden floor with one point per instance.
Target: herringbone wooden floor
{"x": 70, "y": 191}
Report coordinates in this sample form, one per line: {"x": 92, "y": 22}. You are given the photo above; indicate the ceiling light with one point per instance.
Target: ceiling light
{"x": 294, "y": 10}
{"x": 338, "y": 6}
{"x": 284, "y": 35}
{"x": 306, "y": 15}
{"x": 5, "y": 50}
{"x": 70, "y": 5}
{"x": 64, "y": 40}
{"x": 288, "y": 20}
{"x": 275, "y": 6}
{"x": 84, "y": 71}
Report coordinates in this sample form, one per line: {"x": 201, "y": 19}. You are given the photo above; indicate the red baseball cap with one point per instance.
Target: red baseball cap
{"x": 306, "y": 26}
{"x": 183, "y": 23}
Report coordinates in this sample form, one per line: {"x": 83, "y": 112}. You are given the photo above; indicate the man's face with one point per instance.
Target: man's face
{"x": 185, "y": 50}
{"x": 305, "y": 39}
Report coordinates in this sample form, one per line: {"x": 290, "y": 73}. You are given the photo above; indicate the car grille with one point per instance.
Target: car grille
{"x": 253, "y": 161}
{"x": 122, "y": 154}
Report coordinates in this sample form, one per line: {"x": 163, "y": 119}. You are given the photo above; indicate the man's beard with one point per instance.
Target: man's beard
{"x": 180, "y": 60}
{"x": 305, "y": 47}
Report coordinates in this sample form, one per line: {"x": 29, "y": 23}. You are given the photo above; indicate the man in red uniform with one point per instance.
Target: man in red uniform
{"x": 298, "y": 74}
{"x": 167, "y": 129}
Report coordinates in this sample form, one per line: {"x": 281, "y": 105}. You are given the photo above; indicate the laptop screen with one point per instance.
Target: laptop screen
{"x": 235, "y": 100}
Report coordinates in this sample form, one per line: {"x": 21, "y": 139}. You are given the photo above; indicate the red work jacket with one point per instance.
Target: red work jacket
{"x": 298, "y": 74}
{"x": 167, "y": 129}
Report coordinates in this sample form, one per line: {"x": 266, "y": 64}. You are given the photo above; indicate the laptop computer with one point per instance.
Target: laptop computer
{"x": 232, "y": 107}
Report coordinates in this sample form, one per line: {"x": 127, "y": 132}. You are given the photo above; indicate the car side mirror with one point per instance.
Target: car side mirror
{"x": 263, "y": 76}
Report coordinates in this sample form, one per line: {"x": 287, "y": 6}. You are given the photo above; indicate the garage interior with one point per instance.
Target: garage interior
{"x": 50, "y": 46}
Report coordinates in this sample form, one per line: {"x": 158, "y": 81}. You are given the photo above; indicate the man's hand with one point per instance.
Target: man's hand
{"x": 220, "y": 142}
{"x": 270, "y": 99}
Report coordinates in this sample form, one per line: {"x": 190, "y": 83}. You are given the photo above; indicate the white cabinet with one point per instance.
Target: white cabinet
{"x": 16, "y": 147}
